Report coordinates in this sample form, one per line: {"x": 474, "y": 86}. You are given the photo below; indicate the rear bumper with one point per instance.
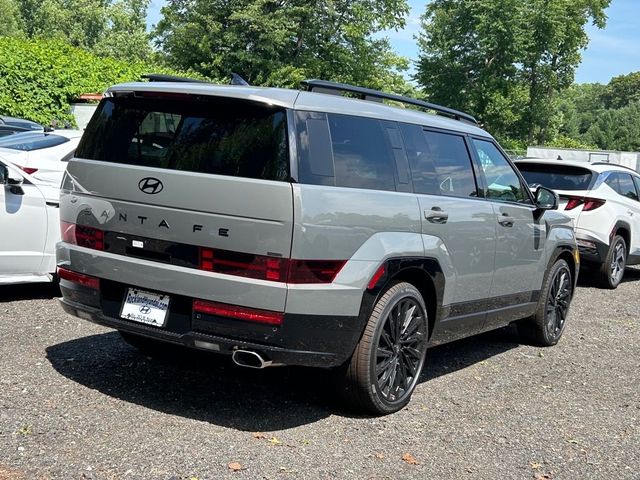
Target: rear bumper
{"x": 592, "y": 249}
{"x": 305, "y": 340}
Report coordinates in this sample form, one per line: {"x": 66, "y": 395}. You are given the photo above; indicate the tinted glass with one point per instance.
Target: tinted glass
{"x": 216, "y": 136}
{"x": 440, "y": 164}
{"x": 556, "y": 177}
{"x": 636, "y": 181}
{"x": 31, "y": 141}
{"x": 503, "y": 182}
{"x": 623, "y": 184}
{"x": 362, "y": 156}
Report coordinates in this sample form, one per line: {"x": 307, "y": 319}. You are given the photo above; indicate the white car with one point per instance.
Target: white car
{"x": 604, "y": 201}
{"x": 30, "y": 222}
{"x": 43, "y": 155}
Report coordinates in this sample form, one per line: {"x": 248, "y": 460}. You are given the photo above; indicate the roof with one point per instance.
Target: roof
{"x": 307, "y": 101}
{"x": 596, "y": 166}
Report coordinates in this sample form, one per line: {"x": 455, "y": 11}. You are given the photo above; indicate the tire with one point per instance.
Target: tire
{"x": 547, "y": 324}
{"x": 147, "y": 346}
{"x": 400, "y": 354}
{"x": 612, "y": 269}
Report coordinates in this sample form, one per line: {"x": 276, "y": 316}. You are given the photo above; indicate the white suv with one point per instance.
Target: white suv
{"x": 603, "y": 200}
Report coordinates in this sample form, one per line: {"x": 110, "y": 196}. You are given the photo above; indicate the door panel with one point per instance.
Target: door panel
{"x": 24, "y": 231}
{"x": 445, "y": 181}
{"x": 520, "y": 237}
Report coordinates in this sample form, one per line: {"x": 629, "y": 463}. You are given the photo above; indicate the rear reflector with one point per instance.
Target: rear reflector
{"x": 241, "y": 313}
{"x": 376, "y": 277}
{"x": 82, "y": 235}
{"x": 79, "y": 278}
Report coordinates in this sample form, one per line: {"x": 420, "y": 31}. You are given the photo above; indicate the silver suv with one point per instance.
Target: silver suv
{"x": 287, "y": 227}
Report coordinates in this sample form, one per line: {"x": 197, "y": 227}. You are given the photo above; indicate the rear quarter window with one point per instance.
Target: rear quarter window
{"x": 207, "y": 135}
{"x": 345, "y": 151}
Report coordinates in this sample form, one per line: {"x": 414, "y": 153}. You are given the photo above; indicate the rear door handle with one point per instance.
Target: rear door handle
{"x": 436, "y": 215}
{"x": 505, "y": 220}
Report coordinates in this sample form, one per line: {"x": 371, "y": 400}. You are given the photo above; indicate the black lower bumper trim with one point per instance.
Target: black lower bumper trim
{"x": 218, "y": 344}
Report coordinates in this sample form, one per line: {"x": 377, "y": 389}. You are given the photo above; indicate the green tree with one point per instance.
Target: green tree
{"x": 39, "y": 78}
{"x": 10, "y": 19}
{"x": 622, "y": 90}
{"x": 280, "y": 42}
{"x": 580, "y": 106}
{"x": 468, "y": 55}
{"x": 108, "y": 27}
{"x": 551, "y": 53}
{"x": 505, "y": 60}
{"x": 617, "y": 129}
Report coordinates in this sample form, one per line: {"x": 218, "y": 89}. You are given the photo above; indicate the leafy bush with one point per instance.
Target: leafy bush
{"x": 40, "y": 78}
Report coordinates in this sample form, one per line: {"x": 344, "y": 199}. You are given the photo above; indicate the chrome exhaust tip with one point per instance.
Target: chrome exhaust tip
{"x": 250, "y": 359}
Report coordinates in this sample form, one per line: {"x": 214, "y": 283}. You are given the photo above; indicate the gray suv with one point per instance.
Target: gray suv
{"x": 287, "y": 227}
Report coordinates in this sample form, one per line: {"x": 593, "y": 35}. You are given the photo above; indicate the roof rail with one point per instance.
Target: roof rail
{"x": 615, "y": 165}
{"x": 160, "y": 77}
{"x": 376, "y": 95}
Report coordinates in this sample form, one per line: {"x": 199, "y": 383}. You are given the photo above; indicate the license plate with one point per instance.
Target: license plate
{"x": 145, "y": 307}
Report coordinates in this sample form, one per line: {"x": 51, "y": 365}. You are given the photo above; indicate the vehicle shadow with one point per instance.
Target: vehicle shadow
{"x": 28, "y": 291}
{"x": 589, "y": 278}
{"x": 210, "y": 388}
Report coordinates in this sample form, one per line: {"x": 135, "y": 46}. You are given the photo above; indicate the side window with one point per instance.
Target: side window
{"x": 636, "y": 181}
{"x": 362, "y": 157}
{"x": 440, "y": 163}
{"x": 503, "y": 183}
{"x": 623, "y": 184}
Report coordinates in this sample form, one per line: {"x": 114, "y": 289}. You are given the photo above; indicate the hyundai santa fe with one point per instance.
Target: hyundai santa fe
{"x": 287, "y": 227}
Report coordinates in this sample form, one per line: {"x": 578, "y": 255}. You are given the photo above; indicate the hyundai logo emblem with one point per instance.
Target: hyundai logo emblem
{"x": 145, "y": 309}
{"x": 150, "y": 185}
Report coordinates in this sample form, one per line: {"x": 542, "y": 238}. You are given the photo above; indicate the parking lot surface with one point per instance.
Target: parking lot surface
{"x": 77, "y": 402}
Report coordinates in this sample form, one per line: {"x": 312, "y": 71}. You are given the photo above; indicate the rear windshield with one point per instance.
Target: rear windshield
{"x": 556, "y": 177}
{"x": 212, "y": 135}
{"x": 32, "y": 141}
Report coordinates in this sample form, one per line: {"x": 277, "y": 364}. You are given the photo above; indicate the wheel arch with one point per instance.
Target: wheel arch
{"x": 624, "y": 230}
{"x": 566, "y": 253}
{"x": 423, "y": 273}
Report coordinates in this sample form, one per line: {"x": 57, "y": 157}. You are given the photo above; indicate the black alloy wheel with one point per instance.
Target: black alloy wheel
{"x": 545, "y": 327}
{"x": 385, "y": 367}
{"x": 558, "y": 300}
{"x": 400, "y": 350}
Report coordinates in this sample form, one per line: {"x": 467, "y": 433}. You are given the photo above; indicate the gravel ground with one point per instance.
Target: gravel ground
{"x": 77, "y": 402}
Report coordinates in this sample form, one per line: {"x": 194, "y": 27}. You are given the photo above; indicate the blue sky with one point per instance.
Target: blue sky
{"x": 611, "y": 52}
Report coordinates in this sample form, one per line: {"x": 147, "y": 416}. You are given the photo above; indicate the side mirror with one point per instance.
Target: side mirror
{"x": 546, "y": 199}
{"x": 13, "y": 183}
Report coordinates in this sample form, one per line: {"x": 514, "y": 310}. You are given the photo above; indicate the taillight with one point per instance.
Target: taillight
{"x": 314, "y": 271}
{"x": 592, "y": 204}
{"x": 573, "y": 203}
{"x": 82, "y": 235}
{"x": 240, "y": 313}
{"x": 29, "y": 170}
{"x": 269, "y": 268}
{"x": 589, "y": 203}
{"x": 243, "y": 264}
{"x": 79, "y": 278}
